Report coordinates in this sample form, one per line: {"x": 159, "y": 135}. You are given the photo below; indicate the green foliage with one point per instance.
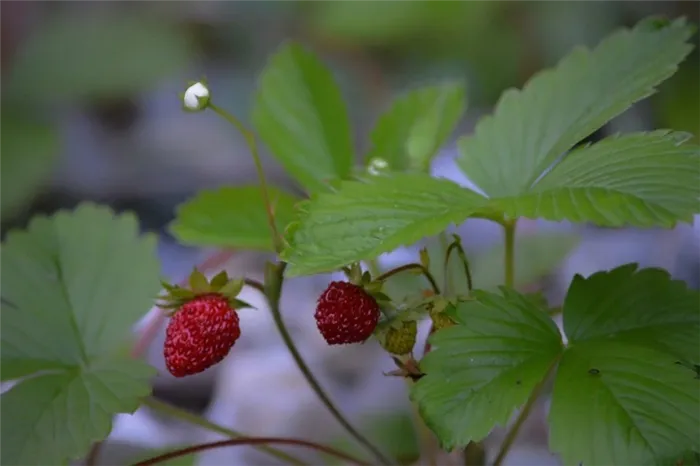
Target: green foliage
{"x": 638, "y": 179}
{"x": 73, "y": 285}
{"x": 532, "y": 128}
{"x": 72, "y": 57}
{"x": 27, "y": 152}
{"x": 413, "y": 129}
{"x": 363, "y": 219}
{"x": 486, "y": 366}
{"x": 300, "y": 114}
{"x": 232, "y": 217}
{"x": 622, "y": 394}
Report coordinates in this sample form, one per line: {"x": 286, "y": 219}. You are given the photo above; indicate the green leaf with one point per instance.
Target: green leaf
{"x": 300, "y": 114}
{"x": 643, "y": 307}
{"x": 232, "y": 217}
{"x": 415, "y": 127}
{"x": 621, "y": 403}
{"x": 73, "y": 285}
{"x": 366, "y": 218}
{"x": 485, "y": 367}
{"x": 624, "y": 393}
{"x": 640, "y": 179}
{"x": 77, "y": 56}
{"x": 532, "y": 128}
{"x": 51, "y": 418}
{"x": 27, "y": 151}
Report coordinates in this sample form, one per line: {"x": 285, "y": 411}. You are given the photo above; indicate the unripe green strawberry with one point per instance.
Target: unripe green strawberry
{"x": 400, "y": 340}
{"x": 441, "y": 320}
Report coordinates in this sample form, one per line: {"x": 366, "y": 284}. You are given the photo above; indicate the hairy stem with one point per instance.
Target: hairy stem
{"x": 413, "y": 266}
{"x": 509, "y": 228}
{"x": 524, "y": 413}
{"x": 183, "y": 415}
{"x": 310, "y": 378}
{"x": 252, "y": 144}
{"x": 259, "y": 442}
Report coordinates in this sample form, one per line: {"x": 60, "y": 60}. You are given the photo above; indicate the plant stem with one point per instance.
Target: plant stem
{"x": 310, "y": 378}
{"x": 413, "y": 266}
{"x": 509, "y": 228}
{"x": 448, "y": 283}
{"x": 181, "y": 414}
{"x": 260, "y": 441}
{"x": 524, "y": 413}
{"x": 252, "y": 144}
{"x": 273, "y": 287}
{"x": 456, "y": 245}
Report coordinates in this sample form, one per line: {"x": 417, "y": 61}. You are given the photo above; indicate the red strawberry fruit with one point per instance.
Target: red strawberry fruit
{"x": 346, "y": 313}
{"x": 204, "y": 325}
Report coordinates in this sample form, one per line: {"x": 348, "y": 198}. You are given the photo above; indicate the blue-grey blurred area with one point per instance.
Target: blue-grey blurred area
{"x": 90, "y": 111}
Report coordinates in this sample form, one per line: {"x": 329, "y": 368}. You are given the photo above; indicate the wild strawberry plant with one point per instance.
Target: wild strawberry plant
{"x": 626, "y": 376}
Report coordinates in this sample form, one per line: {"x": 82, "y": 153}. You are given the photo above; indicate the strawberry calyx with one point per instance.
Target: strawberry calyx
{"x": 198, "y": 285}
{"x": 365, "y": 281}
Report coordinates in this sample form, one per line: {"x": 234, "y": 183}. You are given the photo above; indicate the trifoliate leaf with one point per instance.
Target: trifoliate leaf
{"x": 366, "y": 218}
{"x": 232, "y": 217}
{"x": 623, "y": 180}
{"x": 28, "y": 149}
{"x": 73, "y": 285}
{"x": 626, "y": 391}
{"x": 485, "y": 367}
{"x": 643, "y": 307}
{"x": 416, "y": 126}
{"x": 640, "y": 179}
{"x": 300, "y": 114}
{"x": 78, "y": 56}
{"x": 616, "y": 402}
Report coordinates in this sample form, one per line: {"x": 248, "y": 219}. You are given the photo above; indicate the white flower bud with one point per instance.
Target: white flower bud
{"x": 196, "y": 97}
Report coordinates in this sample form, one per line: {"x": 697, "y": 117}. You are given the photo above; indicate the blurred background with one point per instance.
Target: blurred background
{"x": 90, "y": 111}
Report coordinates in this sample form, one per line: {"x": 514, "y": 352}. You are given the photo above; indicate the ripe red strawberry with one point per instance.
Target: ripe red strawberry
{"x": 204, "y": 325}
{"x": 346, "y": 313}
{"x": 200, "y": 334}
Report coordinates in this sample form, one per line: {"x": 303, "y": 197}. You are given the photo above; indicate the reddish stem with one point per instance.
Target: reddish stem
{"x": 251, "y": 441}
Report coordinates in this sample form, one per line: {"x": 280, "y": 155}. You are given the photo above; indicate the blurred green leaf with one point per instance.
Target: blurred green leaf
{"x": 73, "y": 286}
{"x": 409, "y": 134}
{"x": 77, "y": 56}
{"x": 300, "y": 114}
{"x": 232, "y": 217}
{"x": 676, "y": 103}
{"x": 27, "y": 152}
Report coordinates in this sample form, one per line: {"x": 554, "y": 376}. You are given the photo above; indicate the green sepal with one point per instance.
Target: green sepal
{"x": 232, "y": 288}
{"x": 238, "y": 304}
{"x": 198, "y": 282}
{"x": 219, "y": 281}
{"x": 175, "y": 296}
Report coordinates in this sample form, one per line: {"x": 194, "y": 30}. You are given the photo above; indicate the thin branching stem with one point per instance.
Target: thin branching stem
{"x": 186, "y": 416}
{"x": 456, "y": 245}
{"x": 255, "y": 441}
{"x": 249, "y": 137}
{"x": 509, "y": 229}
{"x": 308, "y": 374}
{"x": 412, "y": 266}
